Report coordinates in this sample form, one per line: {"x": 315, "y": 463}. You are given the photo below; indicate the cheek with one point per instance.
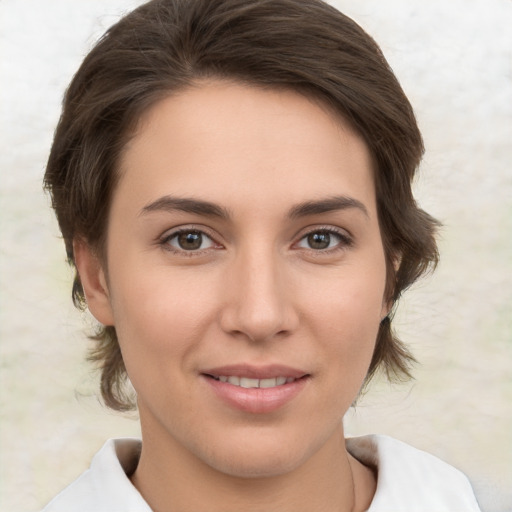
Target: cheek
{"x": 346, "y": 315}
{"x": 160, "y": 317}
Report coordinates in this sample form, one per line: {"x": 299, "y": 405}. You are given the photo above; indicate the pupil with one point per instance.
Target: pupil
{"x": 190, "y": 240}
{"x": 319, "y": 240}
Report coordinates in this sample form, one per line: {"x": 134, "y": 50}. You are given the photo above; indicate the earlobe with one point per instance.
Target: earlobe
{"x": 94, "y": 282}
{"x": 387, "y": 307}
{"x": 389, "y": 293}
{"x": 386, "y": 310}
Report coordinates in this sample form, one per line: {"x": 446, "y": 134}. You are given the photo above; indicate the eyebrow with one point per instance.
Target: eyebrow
{"x": 187, "y": 205}
{"x": 209, "y": 209}
{"x": 327, "y": 205}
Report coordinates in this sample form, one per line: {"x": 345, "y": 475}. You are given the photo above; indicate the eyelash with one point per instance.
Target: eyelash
{"x": 345, "y": 240}
{"x": 166, "y": 239}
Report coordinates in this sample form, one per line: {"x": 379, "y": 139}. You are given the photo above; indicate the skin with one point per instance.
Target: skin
{"x": 256, "y": 291}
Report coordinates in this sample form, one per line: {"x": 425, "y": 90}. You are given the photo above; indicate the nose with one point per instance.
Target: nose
{"x": 259, "y": 304}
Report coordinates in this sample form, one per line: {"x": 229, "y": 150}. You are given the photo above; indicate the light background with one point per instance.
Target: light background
{"x": 454, "y": 60}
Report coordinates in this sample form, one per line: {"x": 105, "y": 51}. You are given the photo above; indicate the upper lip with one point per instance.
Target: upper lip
{"x": 256, "y": 372}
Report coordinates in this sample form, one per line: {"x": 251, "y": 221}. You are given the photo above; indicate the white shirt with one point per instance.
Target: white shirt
{"x": 409, "y": 480}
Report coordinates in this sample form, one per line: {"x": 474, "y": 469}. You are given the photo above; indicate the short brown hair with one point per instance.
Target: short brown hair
{"x": 303, "y": 45}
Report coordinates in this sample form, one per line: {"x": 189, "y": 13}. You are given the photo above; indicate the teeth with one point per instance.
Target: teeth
{"x": 268, "y": 383}
{"x": 247, "y": 382}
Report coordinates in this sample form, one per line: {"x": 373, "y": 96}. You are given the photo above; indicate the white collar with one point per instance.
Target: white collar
{"x": 409, "y": 480}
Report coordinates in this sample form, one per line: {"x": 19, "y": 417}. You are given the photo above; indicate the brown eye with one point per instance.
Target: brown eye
{"x": 319, "y": 240}
{"x": 324, "y": 239}
{"x": 189, "y": 240}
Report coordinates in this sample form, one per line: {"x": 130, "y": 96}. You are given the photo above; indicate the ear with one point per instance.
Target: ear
{"x": 387, "y": 306}
{"x": 94, "y": 282}
{"x": 392, "y": 269}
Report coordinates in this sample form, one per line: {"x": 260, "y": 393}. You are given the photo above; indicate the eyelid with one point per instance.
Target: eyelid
{"x": 169, "y": 234}
{"x": 347, "y": 240}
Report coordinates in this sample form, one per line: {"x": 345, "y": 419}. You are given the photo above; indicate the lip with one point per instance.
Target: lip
{"x": 256, "y": 400}
{"x": 256, "y": 372}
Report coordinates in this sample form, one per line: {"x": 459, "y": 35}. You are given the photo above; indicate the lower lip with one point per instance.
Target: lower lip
{"x": 256, "y": 400}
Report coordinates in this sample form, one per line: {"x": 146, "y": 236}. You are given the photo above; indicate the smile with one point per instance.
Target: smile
{"x": 248, "y": 382}
{"x": 256, "y": 389}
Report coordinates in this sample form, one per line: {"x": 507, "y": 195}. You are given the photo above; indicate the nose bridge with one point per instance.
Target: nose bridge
{"x": 258, "y": 304}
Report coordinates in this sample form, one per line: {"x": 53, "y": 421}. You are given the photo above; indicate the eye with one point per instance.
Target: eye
{"x": 189, "y": 240}
{"x": 324, "y": 239}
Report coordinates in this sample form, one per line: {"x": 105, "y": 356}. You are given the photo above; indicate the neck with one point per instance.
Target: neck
{"x": 171, "y": 479}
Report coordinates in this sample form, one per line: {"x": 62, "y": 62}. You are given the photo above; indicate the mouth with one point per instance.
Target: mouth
{"x": 249, "y": 382}
{"x": 254, "y": 389}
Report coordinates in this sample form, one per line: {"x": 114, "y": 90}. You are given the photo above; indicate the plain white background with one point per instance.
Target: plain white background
{"x": 454, "y": 60}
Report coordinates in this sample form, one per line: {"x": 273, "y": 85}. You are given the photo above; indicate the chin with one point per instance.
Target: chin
{"x": 258, "y": 456}
{"x": 264, "y": 465}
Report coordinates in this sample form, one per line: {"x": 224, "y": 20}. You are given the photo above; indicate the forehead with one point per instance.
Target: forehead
{"x": 229, "y": 140}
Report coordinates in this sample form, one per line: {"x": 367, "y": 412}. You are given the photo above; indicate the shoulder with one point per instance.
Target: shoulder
{"x": 105, "y": 486}
{"x": 411, "y": 480}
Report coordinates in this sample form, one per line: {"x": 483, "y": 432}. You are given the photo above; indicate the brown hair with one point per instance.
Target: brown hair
{"x": 303, "y": 45}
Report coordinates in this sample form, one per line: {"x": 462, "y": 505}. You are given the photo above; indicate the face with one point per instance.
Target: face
{"x": 245, "y": 275}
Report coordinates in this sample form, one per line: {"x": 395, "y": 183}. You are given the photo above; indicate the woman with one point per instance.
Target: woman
{"x": 232, "y": 180}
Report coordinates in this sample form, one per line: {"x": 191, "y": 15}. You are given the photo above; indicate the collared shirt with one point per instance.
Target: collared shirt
{"x": 408, "y": 480}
